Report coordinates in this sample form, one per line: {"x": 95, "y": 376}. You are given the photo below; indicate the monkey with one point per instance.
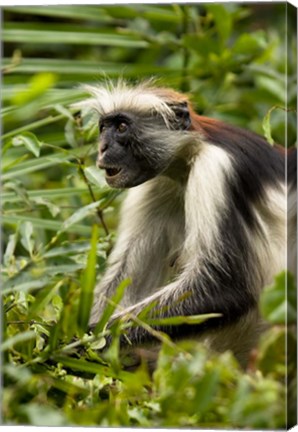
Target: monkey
{"x": 203, "y": 227}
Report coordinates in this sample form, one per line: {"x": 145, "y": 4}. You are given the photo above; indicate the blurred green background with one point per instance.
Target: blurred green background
{"x": 238, "y": 63}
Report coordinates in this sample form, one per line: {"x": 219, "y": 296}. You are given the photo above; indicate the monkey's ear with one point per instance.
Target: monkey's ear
{"x": 182, "y": 116}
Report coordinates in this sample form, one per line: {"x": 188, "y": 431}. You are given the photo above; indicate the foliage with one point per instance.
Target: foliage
{"x": 48, "y": 383}
{"x": 59, "y": 217}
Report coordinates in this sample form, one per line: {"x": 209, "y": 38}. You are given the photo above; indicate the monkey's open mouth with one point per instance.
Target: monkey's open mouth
{"x": 112, "y": 172}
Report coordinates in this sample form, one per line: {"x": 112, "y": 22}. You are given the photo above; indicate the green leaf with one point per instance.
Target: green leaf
{"x": 111, "y": 306}
{"x": 72, "y": 134}
{"x": 11, "y": 286}
{"x": 178, "y": 320}
{"x": 250, "y": 43}
{"x": 19, "y": 338}
{"x": 38, "y": 84}
{"x": 54, "y": 209}
{"x": 88, "y": 280}
{"x": 62, "y": 268}
{"x": 201, "y": 44}
{"x": 272, "y": 351}
{"x": 29, "y": 140}
{"x": 64, "y": 11}
{"x": 80, "y": 214}
{"x": 46, "y": 36}
{"x": 76, "y": 248}
{"x": 64, "y": 111}
{"x": 31, "y": 126}
{"x": 46, "y": 194}
{"x": 48, "y": 161}
{"x": 291, "y": 299}
{"x": 27, "y": 237}
{"x": 95, "y": 176}
{"x": 273, "y": 302}
{"x": 20, "y": 190}
{"x": 47, "y": 224}
{"x": 10, "y": 249}
{"x": 43, "y": 298}
{"x": 266, "y": 125}
{"x": 272, "y": 86}
{"x": 75, "y": 69}
{"x": 8, "y": 166}
{"x": 81, "y": 365}
{"x": 206, "y": 390}
{"x": 223, "y": 20}
{"x": 42, "y": 415}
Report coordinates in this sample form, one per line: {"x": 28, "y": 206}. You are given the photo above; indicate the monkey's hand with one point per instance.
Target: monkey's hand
{"x": 135, "y": 324}
{"x": 135, "y": 313}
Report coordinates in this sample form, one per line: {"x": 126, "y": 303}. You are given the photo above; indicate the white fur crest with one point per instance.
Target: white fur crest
{"x": 111, "y": 97}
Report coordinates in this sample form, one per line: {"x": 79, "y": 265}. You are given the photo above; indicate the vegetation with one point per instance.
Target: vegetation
{"x": 59, "y": 217}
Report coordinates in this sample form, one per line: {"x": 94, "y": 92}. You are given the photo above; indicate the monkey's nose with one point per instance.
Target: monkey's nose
{"x": 103, "y": 147}
{"x": 99, "y": 160}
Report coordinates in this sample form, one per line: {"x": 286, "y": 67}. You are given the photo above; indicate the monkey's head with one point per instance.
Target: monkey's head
{"x": 139, "y": 130}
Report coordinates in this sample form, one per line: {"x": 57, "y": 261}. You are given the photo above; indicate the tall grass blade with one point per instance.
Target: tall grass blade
{"x": 87, "y": 283}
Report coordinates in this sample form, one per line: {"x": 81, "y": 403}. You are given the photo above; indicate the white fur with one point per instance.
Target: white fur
{"x": 270, "y": 243}
{"x": 205, "y": 199}
{"x": 120, "y": 96}
{"x": 292, "y": 231}
{"x": 152, "y": 208}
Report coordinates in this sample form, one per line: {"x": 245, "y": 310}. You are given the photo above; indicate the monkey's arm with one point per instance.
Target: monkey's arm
{"x": 127, "y": 261}
{"x": 142, "y": 248}
{"x": 196, "y": 292}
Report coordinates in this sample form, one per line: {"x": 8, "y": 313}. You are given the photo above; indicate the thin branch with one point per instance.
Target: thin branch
{"x": 98, "y": 211}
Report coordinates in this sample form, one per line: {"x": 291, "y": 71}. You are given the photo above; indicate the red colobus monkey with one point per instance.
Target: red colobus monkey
{"x": 203, "y": 228}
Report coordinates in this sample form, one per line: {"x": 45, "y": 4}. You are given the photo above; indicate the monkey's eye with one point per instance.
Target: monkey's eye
{"x": 122, "y": 127}
{"x": 101, "y": 128}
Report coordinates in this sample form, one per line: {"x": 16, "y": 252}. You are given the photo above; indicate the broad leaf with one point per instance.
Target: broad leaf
{"x": 30, "y": 141}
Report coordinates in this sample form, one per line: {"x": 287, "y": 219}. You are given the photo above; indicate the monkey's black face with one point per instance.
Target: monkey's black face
{"x": 126, "y": 150}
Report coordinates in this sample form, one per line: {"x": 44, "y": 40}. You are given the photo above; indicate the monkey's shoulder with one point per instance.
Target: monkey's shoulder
{"x": 253, "y": 157}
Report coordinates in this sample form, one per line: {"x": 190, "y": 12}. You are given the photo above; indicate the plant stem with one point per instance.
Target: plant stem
{"x": 98, "y": 211}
